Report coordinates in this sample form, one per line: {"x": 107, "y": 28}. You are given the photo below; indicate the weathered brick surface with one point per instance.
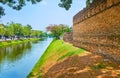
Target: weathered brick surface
{"x": 68, "y": 37}
{"x": 97, "y": 28}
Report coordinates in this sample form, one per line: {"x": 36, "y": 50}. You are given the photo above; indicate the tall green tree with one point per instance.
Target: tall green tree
{"x": 58, "y": 30}
{"x": 27, "y": 31}
{"x": 9, "y": 32}
{"x": 17, "y": 29}
{"x": 2, "y": 30}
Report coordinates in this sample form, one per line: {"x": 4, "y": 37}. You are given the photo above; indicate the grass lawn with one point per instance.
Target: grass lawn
{"x": 14, "y": 42}
{"x": 57, "y": 51}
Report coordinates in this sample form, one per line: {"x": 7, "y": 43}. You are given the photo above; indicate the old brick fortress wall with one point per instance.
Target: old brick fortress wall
{"x": 97, "y": 28}
{"x": 68, "y": 37}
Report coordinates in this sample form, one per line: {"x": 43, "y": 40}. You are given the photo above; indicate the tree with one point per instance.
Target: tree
{"x": 27, "y": 31}
{"x": 17, "y": 29}
{"x": 12, "y": 30}
{"x": 43, "y": 34}
{"x": 58, "y": 30}
{"x": 18, "y": 4}
{"x": 36, "y": 33}
{"x": 67, "y": 3}
{"x": 2, "y": 30}
{"x": 15, "y": 4}
{"x": 9, "y": 32}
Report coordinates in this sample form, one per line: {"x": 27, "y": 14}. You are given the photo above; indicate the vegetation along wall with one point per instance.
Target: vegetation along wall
{"x": 97, "y": 28}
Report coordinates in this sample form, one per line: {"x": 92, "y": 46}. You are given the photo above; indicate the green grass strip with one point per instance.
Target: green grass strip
{"x": 56, "y": 48}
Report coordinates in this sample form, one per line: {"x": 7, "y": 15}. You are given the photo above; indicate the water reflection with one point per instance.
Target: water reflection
{"x": 13, "y": 53}
{"x": 17, "y": 61}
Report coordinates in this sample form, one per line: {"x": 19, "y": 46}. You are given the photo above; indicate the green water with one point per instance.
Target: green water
{"x": 17, "y": 61}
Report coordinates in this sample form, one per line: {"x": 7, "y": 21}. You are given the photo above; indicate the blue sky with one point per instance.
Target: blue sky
{"x": 43, "y": 14}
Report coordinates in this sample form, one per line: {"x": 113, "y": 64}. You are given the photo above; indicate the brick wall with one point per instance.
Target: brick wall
{"x": 68, "y": 37}
{"x": 97, "y": 28}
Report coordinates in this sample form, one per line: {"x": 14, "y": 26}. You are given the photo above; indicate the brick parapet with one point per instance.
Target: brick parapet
{"x": 96, "y": 7}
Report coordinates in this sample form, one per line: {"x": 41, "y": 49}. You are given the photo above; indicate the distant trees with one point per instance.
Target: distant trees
{"x": 58, "y": 30}
{"x": 2, "y": 30}
{"x": 9, "y": 32}
{"x": 36, "y": 33}
{"x": 27, "y": 31}
{"x": 17, "y": 30}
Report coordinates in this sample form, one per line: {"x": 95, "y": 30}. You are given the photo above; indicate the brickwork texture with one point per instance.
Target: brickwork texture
{"x": 96, "y": 28}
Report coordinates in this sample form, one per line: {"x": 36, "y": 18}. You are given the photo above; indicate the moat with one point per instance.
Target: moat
{"x": 17, "y": 61}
